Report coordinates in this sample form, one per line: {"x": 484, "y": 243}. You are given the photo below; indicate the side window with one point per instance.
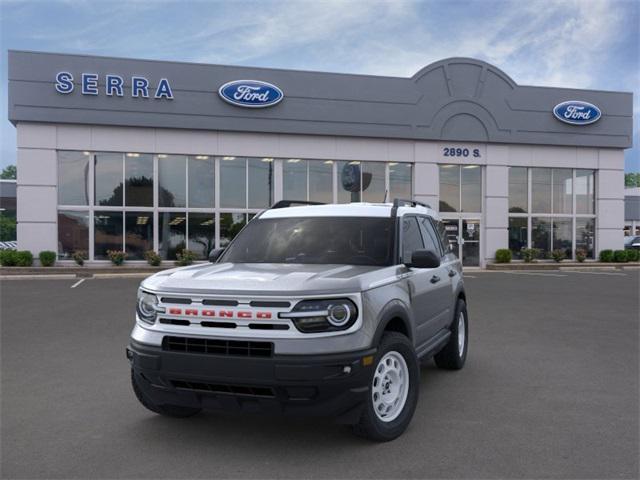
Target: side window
{"x": 411, "y": 238}
{"x": 431, "y": 241}
{"x": 444, "y": 239}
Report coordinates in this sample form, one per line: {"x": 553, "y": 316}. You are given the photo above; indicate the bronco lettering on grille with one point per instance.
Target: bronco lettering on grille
{"x": 244, "y": 314}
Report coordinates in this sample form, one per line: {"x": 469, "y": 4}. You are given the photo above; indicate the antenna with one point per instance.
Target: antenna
{"x": 386, "y": 195}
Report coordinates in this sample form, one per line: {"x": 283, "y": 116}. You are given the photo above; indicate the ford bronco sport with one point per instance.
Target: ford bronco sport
{"x": 312, "y": 309}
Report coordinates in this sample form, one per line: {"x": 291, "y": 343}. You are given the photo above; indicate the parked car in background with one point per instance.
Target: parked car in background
{"x": 632, "y": 242}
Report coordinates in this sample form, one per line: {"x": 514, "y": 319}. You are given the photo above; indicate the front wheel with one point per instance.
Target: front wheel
{"x": 454, "y": 353}
{"x": 393, "y": 392}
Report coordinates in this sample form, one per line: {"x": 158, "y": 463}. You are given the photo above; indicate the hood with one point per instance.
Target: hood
{"x": 267, "y": 279}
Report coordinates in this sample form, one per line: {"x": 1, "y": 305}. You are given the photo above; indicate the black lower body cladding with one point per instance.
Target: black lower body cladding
{"x": 333, "y": 385}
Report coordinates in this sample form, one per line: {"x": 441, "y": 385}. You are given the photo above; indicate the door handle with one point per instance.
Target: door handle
{"x": 452, "y": 273}
{"x": 435, "y": 279}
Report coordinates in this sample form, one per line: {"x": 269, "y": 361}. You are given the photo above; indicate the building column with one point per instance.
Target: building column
{"x": 495, "y": 210}
{"x": 426, "y": 178}
{"x": 37, "y": 188}
{"x": 610, "y": 200}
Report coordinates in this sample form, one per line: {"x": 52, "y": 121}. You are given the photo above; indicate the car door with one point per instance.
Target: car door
{"x": 422, "y": 282}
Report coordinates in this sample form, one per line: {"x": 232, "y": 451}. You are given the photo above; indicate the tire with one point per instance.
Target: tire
{"x": 166, "y": 410}
{"x": 454, "y": 353}
{"x": 395, "y": 354}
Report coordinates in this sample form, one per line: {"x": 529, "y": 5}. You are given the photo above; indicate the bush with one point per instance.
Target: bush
{"x": 529, "y": 254}
{"x": 80, "y": 256}
{"x": 606, "y": 256}
{"x": 581, "y": 254}
{"x": 8, "y": 258}
{"x": 47, "y": 258}
{"x": 503, "y": 255}
{"x": 24, "y": 258}
{"x": 620, "y": 256}
{"x": 117, "y": 257}
{"x": 633, "y": 255}
{"x": 185, "y": 257}
{"x": 152, "y": 258}
{"x": 558, "y": 255}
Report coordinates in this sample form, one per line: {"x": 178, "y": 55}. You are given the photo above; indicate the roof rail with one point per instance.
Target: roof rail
{"x": 290, "y": 203}
{"x": 399, "y": 202}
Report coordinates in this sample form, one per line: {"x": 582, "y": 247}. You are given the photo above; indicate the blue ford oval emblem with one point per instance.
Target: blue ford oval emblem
{"x": 250, "y": 93}
{"x": 576, "y": 112}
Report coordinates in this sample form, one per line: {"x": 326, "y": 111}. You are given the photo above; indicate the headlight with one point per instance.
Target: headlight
{"x": 147, "y": 306}
{"x": 311, "y": 316}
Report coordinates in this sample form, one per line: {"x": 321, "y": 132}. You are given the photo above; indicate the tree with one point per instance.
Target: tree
{"x": 632, "y": 180}
{"x": 9, "y": 172}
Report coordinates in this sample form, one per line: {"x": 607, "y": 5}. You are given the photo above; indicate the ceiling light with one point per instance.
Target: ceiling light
{"x": 293, "y": 160}
{"x": 133, "y": 154}
{"x": 266, "y": 159}
{"x": 328, "y": 162}
{"x": 471, "y": 166}
{"x": 355, "y": 162}
{"x": 393, "y": 164}
{"x": 228, "y": 158}
{"x": 86, "y": 153}
{"x": 448, "y": 166}
{"x": 162, "y": 155}
{"x": 142, "y": 220}
{"x": 201, "y": 157}
{"x": 177, "y": 220}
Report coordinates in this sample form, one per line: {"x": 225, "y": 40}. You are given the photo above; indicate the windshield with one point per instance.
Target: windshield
{"x": 326, "y": 240}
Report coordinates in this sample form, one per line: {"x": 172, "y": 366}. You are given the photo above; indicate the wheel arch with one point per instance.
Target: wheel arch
{"x": 394, "y": 318}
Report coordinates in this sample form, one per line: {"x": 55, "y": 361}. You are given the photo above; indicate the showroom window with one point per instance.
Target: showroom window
{"x": 551, "y": 209}
{"x": 135, "y": 201}
{"x": 460, "y": 188}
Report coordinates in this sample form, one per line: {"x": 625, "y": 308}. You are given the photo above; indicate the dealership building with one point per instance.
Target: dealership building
{"x": 135, "y": 155}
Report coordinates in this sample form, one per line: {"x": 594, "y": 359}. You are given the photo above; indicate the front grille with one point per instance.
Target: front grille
{"x": 218, "y": 346}
{"x": 254, "y": 391}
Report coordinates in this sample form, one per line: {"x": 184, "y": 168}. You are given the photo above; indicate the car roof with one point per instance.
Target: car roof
{"x": 360, "y": 209}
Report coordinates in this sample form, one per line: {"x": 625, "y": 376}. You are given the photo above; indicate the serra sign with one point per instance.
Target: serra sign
{"x": 113, "y": 85}
{"x": 576, "y": 112}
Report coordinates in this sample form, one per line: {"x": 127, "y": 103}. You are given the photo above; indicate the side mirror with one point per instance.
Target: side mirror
{"x": 424, "y": 259}
{"x": 214, "y": 254}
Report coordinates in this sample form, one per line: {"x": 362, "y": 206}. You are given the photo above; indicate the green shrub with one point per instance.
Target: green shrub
{"x": 558, "y": 255}
{"x": 117, "y": 257}
{"x": 620, "y": 256}
{"x": 503, "y": 255}
{"x": 633, "y": 255}
{"x": 80, "y": 256}
{"x": 529, "y": 254}
{"x": 185, "y": 257}
{"x": 152, "y": 258}
{"x": 24, "y": 258}
{"x": 606, "y": 256}
{"x": 47, "y": 258}
{"x": 8, "y": 258}
{"x": 581, "y": 254}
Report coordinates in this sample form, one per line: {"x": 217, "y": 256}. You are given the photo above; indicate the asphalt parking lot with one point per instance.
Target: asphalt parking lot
{"x": 550, "y": 390}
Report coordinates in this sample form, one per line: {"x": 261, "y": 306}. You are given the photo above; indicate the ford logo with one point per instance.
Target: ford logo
{"x": 576, "y": 112}
{"x": 250, "y": 93}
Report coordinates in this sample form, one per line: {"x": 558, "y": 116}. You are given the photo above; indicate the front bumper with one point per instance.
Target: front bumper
{"x": 333, "y": 385}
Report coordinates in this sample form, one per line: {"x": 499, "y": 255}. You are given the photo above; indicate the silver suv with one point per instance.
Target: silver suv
{"x": 312, "y": 310}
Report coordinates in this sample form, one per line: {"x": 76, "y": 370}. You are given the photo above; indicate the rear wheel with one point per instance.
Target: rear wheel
{"x": 166, "y": 410}
{"x": 393, "y": 390}
{"x": 454, "y": 353}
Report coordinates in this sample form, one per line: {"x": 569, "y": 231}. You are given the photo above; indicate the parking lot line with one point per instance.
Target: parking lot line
{"x": 537, "y": 274}
{"x": 78, "y": 283}
{"x": 599, "y": 273}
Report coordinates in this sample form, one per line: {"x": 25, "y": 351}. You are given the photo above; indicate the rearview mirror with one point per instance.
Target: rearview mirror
{"x": 214, "y": 255}
{"x": 424, "y": 259}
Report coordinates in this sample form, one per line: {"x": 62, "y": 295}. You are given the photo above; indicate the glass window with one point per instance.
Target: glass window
{"x": 321, "y": 181}
{"x": 400, "y": 180}
{"x": 73, "y": 178}
{"x": 260, "y": 182}
{"x": 449, "y": 188}
{"x": 541, "y": 235}
{"x": 230, "y": 226}
{"x": 171, "y": 234}
{"x": 541, "y": 190}
{"x": 327, "y": 240}
{"x": 373, "y": 182}
{"x": 294, "y": 179}
{"x": 518, "y": 190}
{"x": 411, "y": 238}
{"x": 73, "y": 233}
{"x": 562, "y": 190}
{"x": 172, "y": 180}
{"x": 349, "y": 176}
{"x": 201, "y": 181}
{"x": 585, "y": 191}
{"x": 517, "y": 235}
{"x": 108, "y": 233}
{"x": 562, "y": 235}
{"x": 471, "y": 188}
{"x": 202, "y": 234}
{"x": 233, "y": 182}
{"x": 429, "y": 236}
{"x": 585, "y": 235}
{"x": 138, "y": 177}
{"x": 138, "y": 234}
{"x": 108, "y": 179}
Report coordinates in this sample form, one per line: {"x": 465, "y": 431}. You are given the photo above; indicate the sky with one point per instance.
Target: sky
{"x": 562, "y": 43}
